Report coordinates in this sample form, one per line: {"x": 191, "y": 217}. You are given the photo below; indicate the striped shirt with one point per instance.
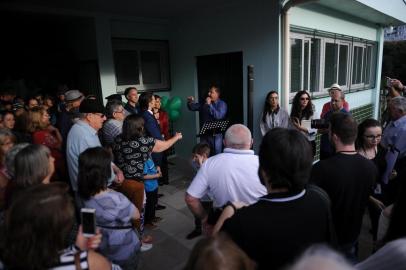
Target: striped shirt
{"x": 67, "y": 259}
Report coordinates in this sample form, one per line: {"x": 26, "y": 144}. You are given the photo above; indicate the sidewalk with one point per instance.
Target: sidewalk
{"x": 171, "y": 248}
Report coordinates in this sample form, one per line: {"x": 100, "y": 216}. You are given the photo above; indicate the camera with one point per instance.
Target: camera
{"x": 320, "y": 123}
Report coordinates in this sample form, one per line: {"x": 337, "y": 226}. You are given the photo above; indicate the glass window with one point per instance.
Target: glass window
{"x": 141, "y": 63}
{"x": 296, "y": 65}
{"x": 357, "y": 65}
{"x": 314, "y": 64}
{"x": 151, "y": 67}
{"x": 306, "y": 66}
{"x": 330, "y": 64}
{"x": 319, "y": 61}
{"x": 343, "y": 65}
{"x": 126, "y": 67}
{"x": 367, "y": 65}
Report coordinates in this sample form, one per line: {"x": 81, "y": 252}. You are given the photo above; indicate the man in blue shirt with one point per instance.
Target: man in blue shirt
{"x": 212, "y": 109}
{"x": 394, "y": 138}
{"x": 83, "y": 135}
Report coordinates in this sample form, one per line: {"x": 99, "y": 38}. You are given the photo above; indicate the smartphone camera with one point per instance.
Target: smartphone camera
{"x": 88, "y": 217}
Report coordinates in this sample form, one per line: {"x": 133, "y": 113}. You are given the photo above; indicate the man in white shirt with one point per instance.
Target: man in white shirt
{"x": 230, "y": 176}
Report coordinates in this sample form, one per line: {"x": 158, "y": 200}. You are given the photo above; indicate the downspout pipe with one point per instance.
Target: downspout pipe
{"x": 286, "y": 48}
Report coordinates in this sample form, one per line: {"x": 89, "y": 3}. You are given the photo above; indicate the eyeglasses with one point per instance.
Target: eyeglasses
{"x": 372, "y": 137}
{"x": 305, "y": 98}
{"x": 119, "y": 111}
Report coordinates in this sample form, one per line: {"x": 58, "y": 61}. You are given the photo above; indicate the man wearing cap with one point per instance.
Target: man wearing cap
{"x": 116, "y": 97}
{"x": 67, "y": 116}
{"x": 337, "y": 105}
{"x": 131, "y": 94}
{"x": 83, "y": 135}
{"x": 327, "y": 106}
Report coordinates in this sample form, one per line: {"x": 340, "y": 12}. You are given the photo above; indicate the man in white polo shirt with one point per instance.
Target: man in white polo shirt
{"x": 228, "y": 177}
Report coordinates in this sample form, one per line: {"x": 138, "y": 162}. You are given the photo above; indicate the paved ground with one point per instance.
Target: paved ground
{"x": 171, "y": 248}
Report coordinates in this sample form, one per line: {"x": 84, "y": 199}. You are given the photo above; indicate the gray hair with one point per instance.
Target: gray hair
{"x": 6, "y": 133}
{"x": 238, "y": 136}
{"x": 31, "y": 165}
{"x": 321, "y": 257}
{"x": 112, "y": 107}
{"x": 399, "y": 103}
{"x": 11, "y": 155}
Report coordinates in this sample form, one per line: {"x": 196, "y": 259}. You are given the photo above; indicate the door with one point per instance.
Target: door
{"x": 226, "y": 71}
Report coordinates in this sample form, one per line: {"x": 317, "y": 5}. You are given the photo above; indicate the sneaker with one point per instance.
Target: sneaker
{"x": 145, "y": 247}
{"x": 195, "y": 233}
{"x": 160, "y": 207}
{"x": 147, "y": 239}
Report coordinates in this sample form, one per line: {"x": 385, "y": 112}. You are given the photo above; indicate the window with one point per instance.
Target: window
{"x": 336, "y": 59}
{"x": 318, "y": 61}
{"x": 141, "y": 63}
{"x": 304, "y": 55}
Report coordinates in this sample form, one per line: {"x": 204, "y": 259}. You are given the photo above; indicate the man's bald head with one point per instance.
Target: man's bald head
{"x": 238, "y": 137}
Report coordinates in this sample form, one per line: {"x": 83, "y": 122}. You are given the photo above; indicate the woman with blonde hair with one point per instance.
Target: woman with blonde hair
{"x": 44, "y": 133}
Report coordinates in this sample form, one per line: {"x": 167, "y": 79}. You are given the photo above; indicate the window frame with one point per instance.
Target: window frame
{"x": 351, "y": 43}
{"x": 160, "y": 46}
{"x": 339, "y": 43}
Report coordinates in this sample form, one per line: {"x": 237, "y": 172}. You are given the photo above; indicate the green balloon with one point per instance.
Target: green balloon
{"x": 175, "y": 104}
{"x": 164, "y": 102}
{"x": 174, "y": 115}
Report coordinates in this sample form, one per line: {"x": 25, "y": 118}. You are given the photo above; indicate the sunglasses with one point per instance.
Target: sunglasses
{"x": 305, "y": 98}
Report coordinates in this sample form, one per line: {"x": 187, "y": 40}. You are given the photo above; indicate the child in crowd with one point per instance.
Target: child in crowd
{"x": 151, "y": 175}
{"x": 200, "y": 154}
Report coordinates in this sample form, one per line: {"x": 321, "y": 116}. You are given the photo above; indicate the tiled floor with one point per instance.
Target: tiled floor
{"x": 171, "y": 249}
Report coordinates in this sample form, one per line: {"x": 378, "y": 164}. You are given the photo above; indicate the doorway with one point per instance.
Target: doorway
{"x": 226, "y": 71}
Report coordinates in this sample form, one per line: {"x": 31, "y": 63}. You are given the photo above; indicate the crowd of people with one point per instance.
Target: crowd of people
{"x": 63, "y": 156}
{"x": 262, "y": 211}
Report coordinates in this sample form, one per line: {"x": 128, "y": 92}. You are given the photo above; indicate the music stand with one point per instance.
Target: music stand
{"x": 212, "y": 128}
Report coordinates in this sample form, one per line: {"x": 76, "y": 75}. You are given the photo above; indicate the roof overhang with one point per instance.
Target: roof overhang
{"x": 383, "y": 13}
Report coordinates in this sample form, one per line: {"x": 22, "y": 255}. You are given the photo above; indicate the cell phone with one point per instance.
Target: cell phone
{"x": 88, "y": 217}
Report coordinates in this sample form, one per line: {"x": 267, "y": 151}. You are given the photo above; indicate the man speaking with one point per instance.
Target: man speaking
{"x": 213, "y": 108}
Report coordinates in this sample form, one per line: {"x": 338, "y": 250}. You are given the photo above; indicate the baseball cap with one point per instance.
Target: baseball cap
{"x": 335, "y": 86}
{"x": 91, "y": 106}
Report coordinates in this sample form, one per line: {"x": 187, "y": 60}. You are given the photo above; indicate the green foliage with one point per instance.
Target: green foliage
{"x": 394, "y": 60}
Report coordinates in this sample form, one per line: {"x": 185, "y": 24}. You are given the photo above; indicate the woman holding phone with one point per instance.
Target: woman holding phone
{"x": 36, "y": 228}
{"x": 114, "y": 212}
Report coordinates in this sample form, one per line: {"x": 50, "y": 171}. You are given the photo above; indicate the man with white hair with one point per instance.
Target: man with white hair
{"x": 228, "y": 177}
{"x": 394, "y": 139}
